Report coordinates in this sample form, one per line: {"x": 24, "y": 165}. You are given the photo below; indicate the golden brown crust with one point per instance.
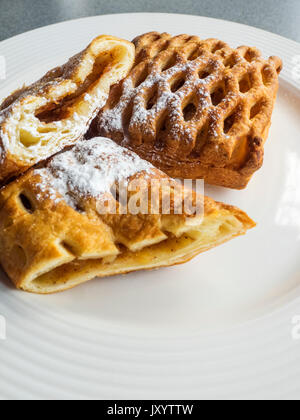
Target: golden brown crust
{"x": 49, "y": 244}
{"x": 40, "y": 120}
{"x": 194, "y": 108}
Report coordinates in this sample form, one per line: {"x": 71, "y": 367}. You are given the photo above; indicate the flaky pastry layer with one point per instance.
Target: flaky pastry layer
{"x": 42, "y": 119}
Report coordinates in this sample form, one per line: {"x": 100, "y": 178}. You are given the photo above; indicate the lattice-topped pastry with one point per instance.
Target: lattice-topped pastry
{"x": 58, "y": 229}
{"x": 40, "y": 120}
{"x": 194, "y": 108}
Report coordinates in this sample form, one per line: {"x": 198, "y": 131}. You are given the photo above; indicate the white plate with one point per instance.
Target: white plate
{"x": 218, "y": 327}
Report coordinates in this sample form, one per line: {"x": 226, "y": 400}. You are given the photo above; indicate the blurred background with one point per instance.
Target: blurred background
{"x": 281, "y": 17}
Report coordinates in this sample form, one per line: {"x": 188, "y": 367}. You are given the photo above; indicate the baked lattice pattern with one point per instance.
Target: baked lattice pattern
{"x": 194, "y": 107}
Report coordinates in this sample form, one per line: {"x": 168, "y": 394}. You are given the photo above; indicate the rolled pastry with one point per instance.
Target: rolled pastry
{"x": 42, "y": 119}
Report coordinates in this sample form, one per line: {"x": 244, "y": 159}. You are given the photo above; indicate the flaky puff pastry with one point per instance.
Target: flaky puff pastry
{"x": 40, "y": 120}
{"x": 58, "y": 227}
{"x": 196, "y": 109}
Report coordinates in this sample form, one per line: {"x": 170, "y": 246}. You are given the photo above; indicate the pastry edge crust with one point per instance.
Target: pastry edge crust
{"x": 89, "y": 274}
{"x": 182, "y": 261}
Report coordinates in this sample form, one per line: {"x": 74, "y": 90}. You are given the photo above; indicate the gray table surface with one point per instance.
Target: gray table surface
{"x": 279, "y": 16}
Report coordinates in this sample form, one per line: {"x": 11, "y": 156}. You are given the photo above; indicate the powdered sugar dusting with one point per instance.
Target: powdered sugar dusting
{"x": 90, "y": 169}
{"x": 111, "y": 119}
